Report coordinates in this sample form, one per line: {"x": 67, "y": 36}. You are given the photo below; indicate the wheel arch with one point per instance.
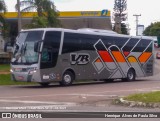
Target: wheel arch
{"x": 132, "y": 69}
{"x": 71, "y": 70}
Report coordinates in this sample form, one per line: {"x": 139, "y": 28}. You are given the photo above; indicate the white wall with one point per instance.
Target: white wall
{"x": 1, "y": 43}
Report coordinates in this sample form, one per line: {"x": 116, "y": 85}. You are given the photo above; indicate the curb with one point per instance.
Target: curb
{"x": 4, "y": 72}
{"x": 136, "y": 104}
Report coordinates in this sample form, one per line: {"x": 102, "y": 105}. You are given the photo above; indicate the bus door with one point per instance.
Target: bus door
{"x": 50, "y": 49}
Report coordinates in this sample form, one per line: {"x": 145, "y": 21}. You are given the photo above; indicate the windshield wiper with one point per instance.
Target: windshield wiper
{"x": 25, "y": 46}
{"x": 16, "y": 49}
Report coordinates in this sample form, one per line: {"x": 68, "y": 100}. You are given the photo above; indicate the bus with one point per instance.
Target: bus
{"x": 47, "y": 55}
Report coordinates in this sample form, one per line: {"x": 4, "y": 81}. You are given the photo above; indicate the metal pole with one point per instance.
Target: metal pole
{"x": 136, "y": 15}
{"x": 19, "y": 16}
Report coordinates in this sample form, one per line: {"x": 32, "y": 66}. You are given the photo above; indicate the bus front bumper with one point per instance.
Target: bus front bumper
{"x": 21, "y": 77}
{"x": 22, "y": 74}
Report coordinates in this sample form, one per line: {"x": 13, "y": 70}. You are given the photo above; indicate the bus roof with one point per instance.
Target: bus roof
{"x": 89, "y": 31}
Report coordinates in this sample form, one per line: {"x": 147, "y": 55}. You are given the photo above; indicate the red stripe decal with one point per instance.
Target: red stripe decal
{"x": 106, "y": 57}
{"x": 126, "y": 53}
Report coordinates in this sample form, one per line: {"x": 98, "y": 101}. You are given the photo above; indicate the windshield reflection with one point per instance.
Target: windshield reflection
{"x": 24, "y": 48}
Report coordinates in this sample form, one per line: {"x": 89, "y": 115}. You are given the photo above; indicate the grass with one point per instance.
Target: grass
{"x": 152, "y": 97}
{"x": 4, "y": 67}
{"x": 5, "y": 79}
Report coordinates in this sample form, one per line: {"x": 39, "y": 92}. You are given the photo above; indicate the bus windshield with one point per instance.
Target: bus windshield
{"x": 23, "y": 52}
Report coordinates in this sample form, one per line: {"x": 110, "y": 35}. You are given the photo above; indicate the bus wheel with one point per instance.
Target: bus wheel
{"x": 131, "y": 75}
{"x": 67, "y": 78}
{"x": 44, "y": 84}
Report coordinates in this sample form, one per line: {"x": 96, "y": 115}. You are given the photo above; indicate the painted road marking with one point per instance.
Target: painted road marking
{"x": 39, "y": 102}
{"x": 91, "y": 94}
{"x": 77, "y": 94}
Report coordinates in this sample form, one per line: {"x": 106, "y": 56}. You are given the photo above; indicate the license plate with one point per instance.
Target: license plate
{"x": 20, "y": 78}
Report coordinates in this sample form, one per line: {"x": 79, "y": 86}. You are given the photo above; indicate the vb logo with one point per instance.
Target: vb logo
{"x": 79, "y": 59}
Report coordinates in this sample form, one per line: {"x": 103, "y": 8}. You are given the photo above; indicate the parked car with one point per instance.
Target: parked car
{"x": 155, "y": 44}
{"x": 158, "y": 55}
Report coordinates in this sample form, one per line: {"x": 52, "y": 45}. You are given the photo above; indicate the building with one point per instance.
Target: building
{"x": 1, "y": 43}
{"x": 140, "y": 30}
{"x": 70, "y": 20}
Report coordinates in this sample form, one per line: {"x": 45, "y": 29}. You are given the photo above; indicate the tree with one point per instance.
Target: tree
{"x": 45, "y": 9}
{"x": 3, "y": 24}
{"x": 3, "y": 9}
{"x": 39, "y": 5}
{"x": 120, "y": 6}
{"x": 153, "y": 29}
{"x": 37, "y": 22}
{"x": 124, "y": 29}
{"x": 52, "y": 19}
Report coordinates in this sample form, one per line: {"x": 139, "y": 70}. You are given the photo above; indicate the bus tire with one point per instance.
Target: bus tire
{"x": 44, "y": 84}
{"x": 67, "y": 78}
{"x": 131, "y": 75}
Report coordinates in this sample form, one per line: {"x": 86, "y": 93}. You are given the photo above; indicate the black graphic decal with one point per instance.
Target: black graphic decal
{"x": 79, "y": 59}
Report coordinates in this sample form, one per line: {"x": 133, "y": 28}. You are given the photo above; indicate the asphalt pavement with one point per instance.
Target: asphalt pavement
{"x": 81, "y": 97}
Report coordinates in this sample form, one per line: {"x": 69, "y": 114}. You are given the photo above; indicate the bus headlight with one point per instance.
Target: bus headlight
{"x": 11, "y": 70}
{"x": 32, "y": 70}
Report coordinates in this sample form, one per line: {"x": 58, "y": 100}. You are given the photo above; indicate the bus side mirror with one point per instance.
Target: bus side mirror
{"x": 37, "y": 46}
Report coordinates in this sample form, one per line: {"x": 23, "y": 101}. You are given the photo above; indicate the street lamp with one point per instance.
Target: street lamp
{"x": 136, "y": 15}
{"x": 19, "y": 16}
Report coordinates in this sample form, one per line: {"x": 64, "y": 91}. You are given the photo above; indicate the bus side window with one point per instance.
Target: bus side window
{"x": 50, "y": 50}
{"x": 45, "y": 55}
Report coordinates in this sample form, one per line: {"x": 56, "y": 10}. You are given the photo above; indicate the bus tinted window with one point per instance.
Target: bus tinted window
{"x": 149, "y": 49}
{"x": 50, "y": 49}
{"x": 119, "y": 41}
{"x": 71, "y": 43}
{"x": 108, "y": 40}
{"x": 52, "y": 39}
{"x": 130, "y": 44}
{"x": 32, "y": 36}
{"x": 88, "y": 41}
{"x": 77, "y": 42}
{"x": 141, "y": 46}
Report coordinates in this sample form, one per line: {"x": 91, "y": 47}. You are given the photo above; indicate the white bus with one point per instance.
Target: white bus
{"x": 49, "y": 55}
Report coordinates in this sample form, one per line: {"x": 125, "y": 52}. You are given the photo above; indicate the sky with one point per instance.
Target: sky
{"x": 149, "y": 9}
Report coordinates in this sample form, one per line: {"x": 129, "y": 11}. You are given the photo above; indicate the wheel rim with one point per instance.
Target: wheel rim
{"x": 130, "y": 75}
{"x": 67, "y": 78}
